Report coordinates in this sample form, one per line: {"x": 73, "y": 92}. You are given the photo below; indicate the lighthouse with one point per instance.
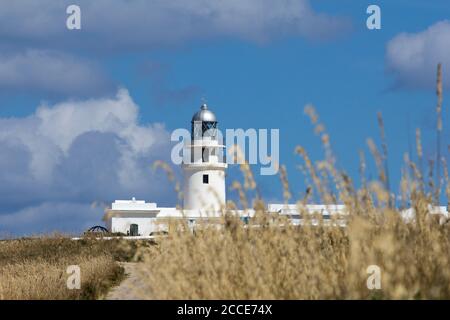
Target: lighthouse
{"x": 204, "y": 164}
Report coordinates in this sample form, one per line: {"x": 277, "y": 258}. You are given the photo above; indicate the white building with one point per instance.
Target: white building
{"x": 204, "y": 186}
{"x": 204, "y": 170}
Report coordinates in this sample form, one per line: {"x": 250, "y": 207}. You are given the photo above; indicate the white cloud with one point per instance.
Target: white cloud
{"x": 77, "y": 152}
{"x": 122, "y": 26}
{"x": 143, "y": 23}
{"x": 50, "y": 72}
{"x": 413, "y": 57}
{"x": 65, "y": 121}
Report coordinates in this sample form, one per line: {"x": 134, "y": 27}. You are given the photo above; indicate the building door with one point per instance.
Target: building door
{"x": 134, "y": 230}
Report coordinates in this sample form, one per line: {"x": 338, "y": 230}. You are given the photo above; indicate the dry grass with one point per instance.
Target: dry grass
{"x": 36, "y": 268}
{"x": 271, "y": 259}
{"x": 275, "y": 262}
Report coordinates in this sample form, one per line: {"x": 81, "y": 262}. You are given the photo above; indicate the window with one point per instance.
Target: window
{"x": 205, "y": 179}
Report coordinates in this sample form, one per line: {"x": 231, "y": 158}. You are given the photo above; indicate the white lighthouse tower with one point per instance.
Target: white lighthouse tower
{"x": 204, "y": 164}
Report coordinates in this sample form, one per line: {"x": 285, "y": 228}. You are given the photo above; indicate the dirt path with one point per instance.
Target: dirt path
{"x": 131, "y": 288}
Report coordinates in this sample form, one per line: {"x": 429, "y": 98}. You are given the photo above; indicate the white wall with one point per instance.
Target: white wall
{"x": 198, "y": 195}
{"x": 133, "y": 205}
{"x": 146, "y": 225}
{"x": 293, "y": 209}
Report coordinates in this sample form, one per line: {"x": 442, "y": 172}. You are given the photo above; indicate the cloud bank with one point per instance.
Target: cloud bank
{"x": 51, "y": 72}
{"x": 35, "y": 36}
{"x": 412, "y": 58}
{"x": 143, "y": 23}
{"x": 58, "y": 161}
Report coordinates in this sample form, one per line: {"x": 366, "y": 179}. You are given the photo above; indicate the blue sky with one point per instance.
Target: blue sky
{"x": 257, "y": 63}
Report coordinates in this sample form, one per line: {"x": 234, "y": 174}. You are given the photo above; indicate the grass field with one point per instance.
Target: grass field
{"x": 310, "y": 262}
{"x": 36, "y": 268}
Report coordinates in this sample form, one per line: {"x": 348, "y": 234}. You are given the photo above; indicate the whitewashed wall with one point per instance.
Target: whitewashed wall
{"x": 146, "y": 225}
